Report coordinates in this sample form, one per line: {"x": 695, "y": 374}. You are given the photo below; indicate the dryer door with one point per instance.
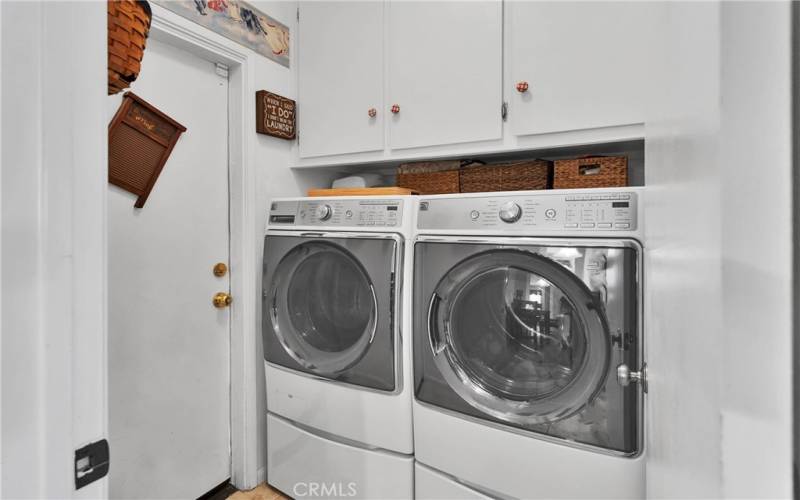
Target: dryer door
{"x": 328, "y": 307}
{"x": 518, "y": 336}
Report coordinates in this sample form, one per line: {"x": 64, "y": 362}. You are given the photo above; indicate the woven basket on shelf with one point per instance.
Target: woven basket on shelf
{"x": 430, "y": 177}
{"x": 128, "y": 26}
{"x": 591, "y": 172}
{"x": 515, "y": 176}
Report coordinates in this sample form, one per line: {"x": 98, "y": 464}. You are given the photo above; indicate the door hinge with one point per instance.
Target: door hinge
{"x": 504, "y": 111}
{"x": 221, "y": 69}
{"x": 91, "y": 463}
{"x": 298, "y": 14}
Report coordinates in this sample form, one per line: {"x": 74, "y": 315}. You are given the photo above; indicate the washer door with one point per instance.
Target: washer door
{"x": 323, "y": 307}
{"x": 518, "y": 336}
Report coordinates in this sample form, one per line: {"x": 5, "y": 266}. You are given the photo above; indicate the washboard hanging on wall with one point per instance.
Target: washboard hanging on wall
{"x": 140, "y": 140}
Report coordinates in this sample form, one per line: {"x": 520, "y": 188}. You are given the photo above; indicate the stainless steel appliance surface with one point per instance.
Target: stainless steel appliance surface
{"x": 329, "y": 297}
{"x": 528, "y": 314}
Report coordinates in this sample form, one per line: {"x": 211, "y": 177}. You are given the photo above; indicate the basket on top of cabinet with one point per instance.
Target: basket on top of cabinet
{"x": 591, "y": 172}
{"x": 513, "y": 176}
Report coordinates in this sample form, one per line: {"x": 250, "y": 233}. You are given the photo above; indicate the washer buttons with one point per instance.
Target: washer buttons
{"x": 550, "y": 213}
{"x": 587, "y": 225}
{"x": 604, "y": 225}
{"x": 622, "y": 225}
{"x": 348, "y": 214}
{"x": 474, "y": 215}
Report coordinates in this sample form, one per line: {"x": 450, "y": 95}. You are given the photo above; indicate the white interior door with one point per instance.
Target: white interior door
{"x": 169, "y": 409}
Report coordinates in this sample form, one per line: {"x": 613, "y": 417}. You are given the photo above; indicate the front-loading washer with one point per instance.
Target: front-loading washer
{"x": 337, "y": 367}
{"x": 529, "y": 368}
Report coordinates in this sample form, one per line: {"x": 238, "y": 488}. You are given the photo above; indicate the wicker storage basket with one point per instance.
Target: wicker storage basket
{"x": 430, "y": 177}
{"x": 128, "y": 26}
{"x": 515, "y": 176}
{"x": 591, "y": 172}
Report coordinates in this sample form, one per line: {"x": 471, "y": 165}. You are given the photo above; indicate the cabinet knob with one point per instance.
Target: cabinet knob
{"x": 372, "y": 112}
{"x": 522, "y": 87}
{"x": 395, "y": 108}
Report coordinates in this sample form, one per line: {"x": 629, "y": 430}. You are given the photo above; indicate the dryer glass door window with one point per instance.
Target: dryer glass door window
{"x": 516, "y": 335}
{"x": 324, "y": 308}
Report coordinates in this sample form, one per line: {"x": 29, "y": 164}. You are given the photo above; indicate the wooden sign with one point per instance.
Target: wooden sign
{"x": 275, "y": 115}
{"x": 140, "y": 140}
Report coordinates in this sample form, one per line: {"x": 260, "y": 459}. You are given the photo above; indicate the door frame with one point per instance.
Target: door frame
{"x": 187, "y": 35}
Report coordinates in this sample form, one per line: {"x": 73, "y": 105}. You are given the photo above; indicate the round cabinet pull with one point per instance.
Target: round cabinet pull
{"x": 372, "y": 112}
{"x": 522, "y": 87}
{"x": 395, "y": 108}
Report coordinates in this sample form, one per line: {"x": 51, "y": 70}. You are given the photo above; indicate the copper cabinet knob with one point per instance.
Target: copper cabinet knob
{"x": 395, "y": 108}
{"x": 522, "y": 87}
{"x": 372, "y": 112}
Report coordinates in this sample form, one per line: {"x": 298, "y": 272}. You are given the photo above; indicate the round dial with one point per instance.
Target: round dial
{"x": 324, "y": 212}
{"x": 510, "y": 212}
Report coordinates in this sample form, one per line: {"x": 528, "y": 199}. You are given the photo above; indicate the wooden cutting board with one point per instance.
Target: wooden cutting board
{"x": 376, "y": 191}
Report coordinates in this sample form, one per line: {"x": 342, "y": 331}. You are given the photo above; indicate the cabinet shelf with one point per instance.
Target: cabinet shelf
{"x": 634, "y": 149}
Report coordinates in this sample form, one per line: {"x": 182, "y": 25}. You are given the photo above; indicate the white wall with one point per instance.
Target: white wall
{"x": 756, "y": 237}
{"x": 719, "y": 254}
{"x": 273, "y": 179}
{"x": 53, "y": 243}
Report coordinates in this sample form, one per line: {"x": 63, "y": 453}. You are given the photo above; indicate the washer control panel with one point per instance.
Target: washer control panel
{"x": 337, "y": 213}
{"x": 613, "y": 211}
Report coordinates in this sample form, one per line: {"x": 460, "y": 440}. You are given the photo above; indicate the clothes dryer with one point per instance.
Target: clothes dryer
{"x": 337, "y": 367}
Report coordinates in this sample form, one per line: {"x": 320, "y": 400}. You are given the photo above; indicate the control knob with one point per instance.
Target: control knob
{"x": 510, "y": 212}
{"x": 324, "y": 212}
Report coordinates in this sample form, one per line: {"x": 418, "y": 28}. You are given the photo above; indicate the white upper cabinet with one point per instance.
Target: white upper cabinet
{"x": 587, "y": 64}
{"x": 340, "y": 77}
{"x": 445, "y": 72}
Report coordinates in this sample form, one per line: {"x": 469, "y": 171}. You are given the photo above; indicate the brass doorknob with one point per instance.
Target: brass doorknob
{"x": 221, "y": 300}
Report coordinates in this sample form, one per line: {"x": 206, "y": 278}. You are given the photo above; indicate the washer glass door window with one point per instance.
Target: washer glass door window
{"x": 530, "y": 337}
{"x": 328, "y": 306}
{"x": 324, "y": 308}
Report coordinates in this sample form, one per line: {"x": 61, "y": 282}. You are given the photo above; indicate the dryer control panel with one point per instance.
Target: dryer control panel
{"x": 613, "y": 211}
{"x": 332, "y": 212}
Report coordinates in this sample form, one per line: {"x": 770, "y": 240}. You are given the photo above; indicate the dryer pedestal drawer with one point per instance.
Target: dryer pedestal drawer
{"x": 302, "y": 464}
{"x": 514, "y": 465}
{"x": 370, "y": 417}
{"x": 433, "y": 485}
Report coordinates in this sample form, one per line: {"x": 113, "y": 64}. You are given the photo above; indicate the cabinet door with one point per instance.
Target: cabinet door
{"x": 340, "y": 77}
{"x": 445, "y": 72}
{"x": 586, "y": 64}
